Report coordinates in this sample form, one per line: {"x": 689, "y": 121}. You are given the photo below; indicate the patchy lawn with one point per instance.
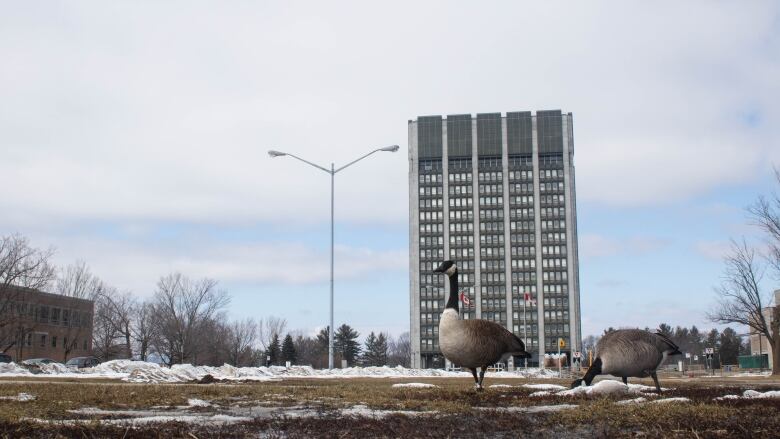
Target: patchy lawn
{"x": 371, "y": 407}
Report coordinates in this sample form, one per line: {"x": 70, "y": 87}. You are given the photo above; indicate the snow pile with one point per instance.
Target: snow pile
{"x": 13, "y": 369}
{"x": 414, "y": 385}
{"x": 144, "y": 372}
{"x": 194, "y": 402}
{"x": 544, "y": 387}
{"x": 54, "y": 368}
{"x": 665, "y": 400}
{"x": 22, "y": 397}
{"x": 500, "y": 386}
{"x": 752, "y": 394}
{"x": 604, "y": 387}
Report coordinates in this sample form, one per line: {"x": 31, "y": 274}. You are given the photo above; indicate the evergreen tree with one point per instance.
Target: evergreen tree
{"x": 274, "y": 350}
{"x": 347, "y": 344}
{"x": 666, "y": 330}
{"x": 730, "y": 343}
{"x": 322, "y": 338}
{"x": 381, "y": 350}
{"x": 288, "y": 350}
{"x": 369, "y": 357}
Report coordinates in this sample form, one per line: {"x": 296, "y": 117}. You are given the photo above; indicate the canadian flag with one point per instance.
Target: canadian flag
{"x": 465, "y": 299}
{"x": 528, "y": 299}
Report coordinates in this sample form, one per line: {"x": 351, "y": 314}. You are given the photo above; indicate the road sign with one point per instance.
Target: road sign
{"x": 577, "y": 354}
{"x": 709, "y": 351}
{"x": 687, "y": 355}
{"x": 695, "y": 358}
{"x": 561, "y": 343}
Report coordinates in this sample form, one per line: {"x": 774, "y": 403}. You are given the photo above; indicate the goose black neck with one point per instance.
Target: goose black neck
{"x": 452, "y": 302}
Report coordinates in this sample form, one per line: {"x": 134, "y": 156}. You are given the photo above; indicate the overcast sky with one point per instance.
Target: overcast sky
{"x": 133, "y": 135}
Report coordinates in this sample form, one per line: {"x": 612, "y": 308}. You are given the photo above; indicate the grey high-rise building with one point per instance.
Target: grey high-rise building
{"x": 496, "y": 195}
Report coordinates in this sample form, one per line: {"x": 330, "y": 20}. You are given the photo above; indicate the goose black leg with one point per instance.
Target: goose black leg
{"x": 655, "y": 378}
{"x": 476, "y": 380}
{"x": 482, "y": 375}
{"x": 625, "y": 380}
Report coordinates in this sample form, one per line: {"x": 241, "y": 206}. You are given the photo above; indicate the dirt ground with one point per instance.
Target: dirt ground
{"x": 373, "y": 407}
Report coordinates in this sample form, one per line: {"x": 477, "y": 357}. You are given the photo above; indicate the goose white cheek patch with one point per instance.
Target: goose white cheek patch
{"x": 451, "y": 270}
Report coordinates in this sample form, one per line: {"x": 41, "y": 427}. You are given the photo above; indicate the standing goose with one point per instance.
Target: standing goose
{"x": 473, "y": 343}
{"x": 630, "y": 353}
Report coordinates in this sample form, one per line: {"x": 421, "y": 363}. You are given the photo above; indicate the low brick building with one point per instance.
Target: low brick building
{"x": 34, "y": 324}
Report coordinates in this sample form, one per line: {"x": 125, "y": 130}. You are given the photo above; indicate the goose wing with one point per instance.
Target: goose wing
{"x": 668, "y": 343}
{"x": 493, "y": 336}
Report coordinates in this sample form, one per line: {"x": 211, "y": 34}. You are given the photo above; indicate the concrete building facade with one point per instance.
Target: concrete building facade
{"x": 496, "y": 194}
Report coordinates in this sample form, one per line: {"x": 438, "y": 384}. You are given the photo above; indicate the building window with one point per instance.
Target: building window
{"x": 29, "y": 339}
{"x": 54, "y": 341}
{"x": 43, "y": 340}
{"x": 85, "y": 344}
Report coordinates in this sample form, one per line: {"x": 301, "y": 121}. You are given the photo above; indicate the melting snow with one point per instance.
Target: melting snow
{"x": 544, "y": 386}
{"x": 194, "y": 402}
{"x": 23, "y": 397}
{"x": 532, "y": 409}
{"x": 415, "y": 385}
{"x": 752, "y": 394}
{"x": 364, "y": 411}
{"x": 144, "y": 372}
{"x": 665, "y": 400}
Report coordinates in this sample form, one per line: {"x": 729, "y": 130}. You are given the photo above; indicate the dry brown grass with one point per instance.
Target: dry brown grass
{"x": 460, "y": 410}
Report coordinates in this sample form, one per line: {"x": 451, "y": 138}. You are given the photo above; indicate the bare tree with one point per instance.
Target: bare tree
{"x": 269, "y": 327}
{"x": 765, "y": 213}
{"x": 399, "y": 350}
{"x": 143, "y": 329}
{"x": 183, "y": 310}
{"x": 741, "y": 299}
{"x": 105, "y": 335}
{"x": 242, "y": 338}
{"x": 121, "y": 308}
{"x": 77, "y": 281}
{"x": 21, "y": 266}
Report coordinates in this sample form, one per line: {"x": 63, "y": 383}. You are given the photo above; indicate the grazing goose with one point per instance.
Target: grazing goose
{"x": 630, "y": 353}
{"x": 473, "y": 343}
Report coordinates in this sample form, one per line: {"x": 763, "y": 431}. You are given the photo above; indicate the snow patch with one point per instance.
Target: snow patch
{"x": 751, "y": 394}
{"x": 365, "y": 412}
{"x": 13, "y": 369}
{"x": 632, "y": 401}
{"x": 532, "y": 409}
{"x": 544, "y": 386}
{"x": 194, "y": 402}
{"x": 666, "y": 400}
{"x": 415, "y": 385}
{"x": 501, "y": 386}
{"x": 22, "y": 397}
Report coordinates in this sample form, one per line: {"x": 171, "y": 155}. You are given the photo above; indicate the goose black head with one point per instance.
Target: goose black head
{"x": 446, "y": 267}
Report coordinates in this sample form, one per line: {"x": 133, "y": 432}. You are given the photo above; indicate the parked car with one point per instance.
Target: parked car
{"x": 5, "y": 358}
{"x": 82, "y": 362}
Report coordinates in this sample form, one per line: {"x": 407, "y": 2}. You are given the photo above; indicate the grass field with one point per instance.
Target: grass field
{"x": 372, "y": 407}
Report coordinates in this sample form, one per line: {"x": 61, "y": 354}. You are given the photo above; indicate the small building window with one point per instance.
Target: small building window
{"x": 43, "y": 340}
{"x": 54, "y": 341}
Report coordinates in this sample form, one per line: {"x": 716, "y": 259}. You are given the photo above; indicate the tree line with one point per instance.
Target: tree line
{"x": 727, "y": 344}
{"x": 184, "y": 321}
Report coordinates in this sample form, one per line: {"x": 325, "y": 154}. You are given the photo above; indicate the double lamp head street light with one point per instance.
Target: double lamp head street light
{"x": 332, "y": 171}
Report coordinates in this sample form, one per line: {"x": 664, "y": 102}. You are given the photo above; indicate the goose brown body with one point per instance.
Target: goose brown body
{"x": 630, "y": 353}
{"x": 472, "y": 343}
{"x": 475, "y": 343}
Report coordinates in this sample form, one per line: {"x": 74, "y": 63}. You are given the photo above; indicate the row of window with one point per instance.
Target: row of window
{"x": 523, "y": 264}
{"x": 491, "y": 226}
{"x": 491, "y": 239}
{"x": 432, "y": 253}
{"x": 491, "y": 189}
{"x": 462, "y": 227}
{"x": 556, "y": 329}
{"x": 499, "y": 277}
{"x": 521, "y": 175}
{"x": 551, "y": 199}
{"x": 521, "y": 200}
{"x": 553, "y": 224}
{"x": 432, "y": 228}
{"x": 431, "y": 216}
{"x": 524, "y": 251}
{"x": 521, "y": 188}
{"x": 462, "y": 215}
{"x": 493, "y": 290}
{"x": 461, "y": 202}
{"x": 497, "y": 264}
{"x": 460, "y": 177}
{"x": 460, "y": 240}
{"x": 557, "y": 302}
{"x": 42, "y": 341}
{"x": 461, "y": 190}
{"x": 491, "y": 201}
{"x": 431, "y": 191}
{"x": 493, "y": 303}
{"x": 554, "y": 263}
{"x": 491, "y": 176}
{"x": 557, "y": 276}
{"x": 544, "y": 212}
{"x": 430, "y": 178}
{"x": 431, "y": 203}
{"x": 49, "y": 314}
{"x": 550, "y": 187}
{"x": 521, "y": 225}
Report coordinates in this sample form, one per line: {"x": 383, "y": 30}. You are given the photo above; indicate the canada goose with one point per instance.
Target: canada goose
{"x": 630, "y": 353}
{"x": 473, "y": 343}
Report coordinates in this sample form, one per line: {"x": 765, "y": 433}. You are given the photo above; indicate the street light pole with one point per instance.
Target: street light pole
{"x": 332, "y": 171}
